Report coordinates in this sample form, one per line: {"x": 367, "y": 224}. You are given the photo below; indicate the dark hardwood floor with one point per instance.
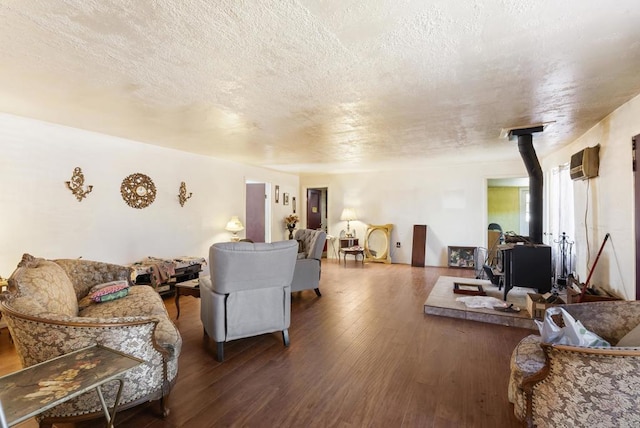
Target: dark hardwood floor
{"x": 363, "y": 354}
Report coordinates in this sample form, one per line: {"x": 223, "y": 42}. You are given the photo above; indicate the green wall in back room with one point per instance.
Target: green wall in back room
{"x": 503, "y": 206}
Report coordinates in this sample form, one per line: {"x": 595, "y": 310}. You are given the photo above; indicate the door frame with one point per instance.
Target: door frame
{"x": 267, "y": 206}
{"x": 635, "y": 141}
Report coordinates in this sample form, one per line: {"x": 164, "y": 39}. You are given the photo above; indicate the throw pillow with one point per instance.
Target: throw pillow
{"x": 631, "y": 339}
{"x": 121, "y": 282}
{"x": 109, "y": 292}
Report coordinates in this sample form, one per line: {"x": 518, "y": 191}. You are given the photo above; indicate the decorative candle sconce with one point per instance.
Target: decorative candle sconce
{"x": 183, "y": 194}
{"x": 76, "y": 185}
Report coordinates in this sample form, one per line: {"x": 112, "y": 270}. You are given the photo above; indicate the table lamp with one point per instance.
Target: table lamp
{"x": 348, "y": 214}
{"x": 234, "y": 225}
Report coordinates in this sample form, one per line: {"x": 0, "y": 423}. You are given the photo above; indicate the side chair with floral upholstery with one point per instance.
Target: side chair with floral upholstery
{"x": 48, "y": 314}
{"x": 554, "y": 385}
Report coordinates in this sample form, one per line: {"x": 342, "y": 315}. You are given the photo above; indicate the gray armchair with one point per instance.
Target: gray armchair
{"x": 248, "y": 292}
{"x": 308, "y": 266}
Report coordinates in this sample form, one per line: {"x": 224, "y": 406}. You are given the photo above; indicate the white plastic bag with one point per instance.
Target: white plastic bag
{"x": 573, "y": 332}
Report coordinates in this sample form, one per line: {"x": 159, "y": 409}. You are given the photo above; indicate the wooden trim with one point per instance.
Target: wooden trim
{"x": 610, "y": 352}
{"x": 6, "y": 309}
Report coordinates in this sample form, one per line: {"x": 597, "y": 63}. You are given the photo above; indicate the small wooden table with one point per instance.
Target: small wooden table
{"x": 186, "y": 288}
{"x": 31, "y": 391}
{"x": 354, "y": 251}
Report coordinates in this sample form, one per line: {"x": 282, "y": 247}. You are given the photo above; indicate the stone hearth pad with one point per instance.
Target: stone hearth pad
{"x": 442, "y": 302}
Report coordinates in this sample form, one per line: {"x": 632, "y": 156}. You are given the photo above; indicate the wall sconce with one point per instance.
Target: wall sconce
{"x": 77, "y": 183}
{"x": 182, "y": 196}
{"x": 348, "y": 214}
{"x": 234, "y": 225}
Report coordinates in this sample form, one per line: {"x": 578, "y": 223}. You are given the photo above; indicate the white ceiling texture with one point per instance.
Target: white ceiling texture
{"x": 322, "y": 86}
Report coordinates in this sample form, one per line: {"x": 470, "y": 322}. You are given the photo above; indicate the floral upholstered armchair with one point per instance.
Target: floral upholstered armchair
{"x": 570, "y": 386}
{"x": 48, "y": 315}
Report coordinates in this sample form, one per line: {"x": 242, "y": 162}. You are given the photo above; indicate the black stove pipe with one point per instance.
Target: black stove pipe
{"x": 528, "y": 154}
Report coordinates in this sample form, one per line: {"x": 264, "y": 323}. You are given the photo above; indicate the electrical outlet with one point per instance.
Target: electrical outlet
{"x": 397, "y": 245}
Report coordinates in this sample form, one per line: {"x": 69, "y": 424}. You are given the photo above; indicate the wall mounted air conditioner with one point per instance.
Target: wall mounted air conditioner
{"x": 585, "y": 163}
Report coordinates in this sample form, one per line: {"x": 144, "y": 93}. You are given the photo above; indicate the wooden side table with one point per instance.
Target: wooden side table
{"x": 186, "y": 288}
{"x": 31, "y": 391}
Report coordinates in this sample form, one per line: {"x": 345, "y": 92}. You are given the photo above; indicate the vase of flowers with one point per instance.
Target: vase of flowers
{"x": 290, "y": 221}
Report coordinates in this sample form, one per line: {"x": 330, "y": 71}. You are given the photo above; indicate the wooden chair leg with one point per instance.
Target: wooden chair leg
{"x": 220, "y": 351}
{"x": 164, "y": 406}
{"x": 285, "y": 336}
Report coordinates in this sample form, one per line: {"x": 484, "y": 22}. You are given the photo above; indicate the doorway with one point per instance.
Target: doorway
{"x": 507, "y": 204}
{"x": 317, "y": 208}
{"x": 257, "y": 211}
{"x": 317, "y": 211}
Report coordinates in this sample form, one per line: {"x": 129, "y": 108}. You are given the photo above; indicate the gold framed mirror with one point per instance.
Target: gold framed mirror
{"x": 377, "y": 243}
{"x": 138, "y": 190}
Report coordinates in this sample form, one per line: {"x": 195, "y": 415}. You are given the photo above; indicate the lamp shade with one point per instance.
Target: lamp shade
{"x": 348, "y": 214}
{"x": 234, "y": 225}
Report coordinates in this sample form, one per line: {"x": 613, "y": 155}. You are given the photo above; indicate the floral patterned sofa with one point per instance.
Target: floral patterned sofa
{"x": 569, "y": 386}
{"x": 48, "y": 315}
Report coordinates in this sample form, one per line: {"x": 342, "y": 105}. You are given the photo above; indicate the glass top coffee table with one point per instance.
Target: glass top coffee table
{"x": 31, "y": 391}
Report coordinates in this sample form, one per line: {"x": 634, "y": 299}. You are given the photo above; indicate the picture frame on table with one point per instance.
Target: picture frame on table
{"x": 461, "y": 257}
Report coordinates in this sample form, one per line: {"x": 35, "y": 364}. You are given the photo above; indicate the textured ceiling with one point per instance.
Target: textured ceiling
{"x": 322, "y": 86}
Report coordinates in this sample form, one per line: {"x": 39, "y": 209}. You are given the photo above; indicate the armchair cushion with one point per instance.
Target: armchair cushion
{"x": 48, "y": 288}
{"x": 309, "y": 240}
{"x": 631, "y": 339}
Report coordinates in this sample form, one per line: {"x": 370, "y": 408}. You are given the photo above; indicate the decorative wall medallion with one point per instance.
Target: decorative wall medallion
{"x": 138, "y": 190}
{"x": 182, "y": 196}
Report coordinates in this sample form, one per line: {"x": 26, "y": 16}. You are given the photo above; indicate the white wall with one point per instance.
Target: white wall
{"x": 451, "y": 201}
{"x": 607, "y": 201}
{"x": 40, "y": 216}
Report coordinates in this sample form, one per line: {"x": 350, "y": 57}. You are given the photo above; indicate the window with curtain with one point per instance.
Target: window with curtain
{"x": 561, "y": 221}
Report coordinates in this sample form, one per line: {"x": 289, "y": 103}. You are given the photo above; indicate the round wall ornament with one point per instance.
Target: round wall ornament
{"x": 138, "y": 190}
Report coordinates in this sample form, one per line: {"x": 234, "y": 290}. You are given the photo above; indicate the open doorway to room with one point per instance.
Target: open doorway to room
{"x": 257, "y": 211}
{"x": 317, "y": 211}
{"x": 317, "y": 208}
{"x": 507, "y": 213}
{"x": 508, "y": 204}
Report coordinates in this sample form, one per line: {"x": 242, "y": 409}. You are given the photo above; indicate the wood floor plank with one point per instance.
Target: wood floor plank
{"x": 363, "y": 354}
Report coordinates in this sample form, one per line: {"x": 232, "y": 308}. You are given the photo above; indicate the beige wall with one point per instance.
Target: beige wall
{"x": 40, "y": 216}
{"x": 451, "y": 201}
{"x": 607, "y": 201}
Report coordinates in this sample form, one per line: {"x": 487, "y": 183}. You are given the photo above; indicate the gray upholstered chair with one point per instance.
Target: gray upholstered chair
{"x": 248, "y": 292}
{"x": 308, "y": 266}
